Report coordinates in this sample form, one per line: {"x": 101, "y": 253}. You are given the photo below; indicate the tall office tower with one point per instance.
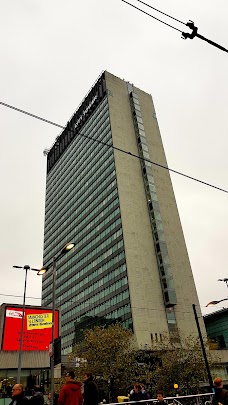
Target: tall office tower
{"x": 130, "y": 261}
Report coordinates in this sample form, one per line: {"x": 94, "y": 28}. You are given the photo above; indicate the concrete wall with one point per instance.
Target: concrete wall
{"x": 144, "y": 282}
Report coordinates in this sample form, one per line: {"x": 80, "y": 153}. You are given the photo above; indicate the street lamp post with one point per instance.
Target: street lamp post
{"x": 26, "y": 268}
{"x": 43, "y": 270}
{"x": 202, "y": 347}
{"x": 53, "y": 330}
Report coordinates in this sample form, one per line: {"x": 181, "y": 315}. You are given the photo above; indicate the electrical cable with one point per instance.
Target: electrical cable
{"x": 37, "y": 298}
{"x": 185, "y": 35}
{"x": 155, "y": 18}
{"x": 19, "y": 296}
{"x": 115, "y": 148}
{"x": 159, "y": 11}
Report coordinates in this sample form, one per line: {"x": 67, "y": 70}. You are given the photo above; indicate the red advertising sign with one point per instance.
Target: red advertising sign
{"x": 37, "y": 329}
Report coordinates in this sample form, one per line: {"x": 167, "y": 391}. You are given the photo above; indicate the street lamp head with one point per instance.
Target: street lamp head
{"x": 68, "y": 247}
{"x": 41, "y": 271}
{"x": 212, "y": 303}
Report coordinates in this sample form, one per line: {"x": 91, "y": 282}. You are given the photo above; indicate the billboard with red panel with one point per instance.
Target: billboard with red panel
{"x": 37, "y": 328}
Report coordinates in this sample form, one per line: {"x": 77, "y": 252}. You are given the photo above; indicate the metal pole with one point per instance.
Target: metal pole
{"x": 22, "y": 328}
{"x": 203, "y": 348}
{"x": 53, "y": 330}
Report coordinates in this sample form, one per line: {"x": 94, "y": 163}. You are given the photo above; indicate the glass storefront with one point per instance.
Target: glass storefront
{"x": 29, "y": 378}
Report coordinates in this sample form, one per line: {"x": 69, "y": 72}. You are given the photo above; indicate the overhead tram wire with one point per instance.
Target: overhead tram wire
{"x": 159, "y": 11}
{"x": 115, "y": 147}
{"x": 155, "y": 18}
{"x": 73, "y": 301}
{"x": 189, "y": 24}
{"x": 19, "y": 296}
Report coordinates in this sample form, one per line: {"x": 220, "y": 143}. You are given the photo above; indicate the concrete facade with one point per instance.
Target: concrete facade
{"x": 144, "y": 282}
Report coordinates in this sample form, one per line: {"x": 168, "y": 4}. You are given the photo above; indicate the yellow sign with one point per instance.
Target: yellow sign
{"x": 39, "y": 321}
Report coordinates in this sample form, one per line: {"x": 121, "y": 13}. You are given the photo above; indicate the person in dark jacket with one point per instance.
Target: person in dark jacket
{"x": 70, "y": 393}
{"x": 38, "y": 397}
{"x": 18, "y": 397}
{"x": 160, "y": 398}
{"x": 136, "y": 394}
{"x": 220, "y": 396}
{"x": 91, "y": 392}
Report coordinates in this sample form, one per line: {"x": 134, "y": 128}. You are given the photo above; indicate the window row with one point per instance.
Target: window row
{"x": 97, "y": 309}
{"x": 81, "y": 151}
{"x": 91, "y": 210}
{"x": 66, "y": 265}
{"x": 94, "y": 288}
{"x": 78, "y": 323}
{"x": 106, "y": 179}
{"x": 106, "y": 243}
{"x": 95, "y": 223}
{"x": 87, "y": 278}
{"x": 81, "y": 237}
{"x": 66, "y": 297}
{"x": 101, "y": 110}
{"x": 80, "y": 166}
{"x": 74, "y": 289}
{"x": 79, "y": 263}
{"x": 75, "y": 205}
{"x": 89, "y": 246}
{"x": 123, "y": 310}
{"x": 82, "y": 171}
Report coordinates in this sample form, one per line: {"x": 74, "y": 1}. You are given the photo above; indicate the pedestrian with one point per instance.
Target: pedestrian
{"x": 18, "y": 397}
{"x": 220, "y": 396}
{"x": 70, "y": 393}
{"x": 136, "y": 394}
{"x": 160, "y": 398}
{"x": 145, "y": 393}
{"x": 91, "y": 392}
{"x": 38, "y": 397}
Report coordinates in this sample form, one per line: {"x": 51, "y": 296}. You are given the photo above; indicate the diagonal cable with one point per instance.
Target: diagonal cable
{"x": 115, "y": 147}
{"x": 155, "y": 18}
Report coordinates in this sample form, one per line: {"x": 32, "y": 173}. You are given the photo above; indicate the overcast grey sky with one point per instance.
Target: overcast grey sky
{"x": 51, "y": 53}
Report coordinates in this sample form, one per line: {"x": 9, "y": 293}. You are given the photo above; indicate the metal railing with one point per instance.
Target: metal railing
{"x": 198, "y": 399}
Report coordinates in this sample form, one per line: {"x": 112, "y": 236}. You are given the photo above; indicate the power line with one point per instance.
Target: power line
{"x": 74, "y": 301}
{"x": 19, "y": 296}
{"x": 31, "y": 115}
{"x": 155, "y": 18}
{"x": 189, "y": 24}
{"x": 159, "y": 11}
{"x": 115, "y": 148}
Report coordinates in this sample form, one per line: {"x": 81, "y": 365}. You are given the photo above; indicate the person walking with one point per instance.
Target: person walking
{"x": 70, "y": 393}
{"x": 91, "y": 392}
{"x": 144, "y": 392}
{"x": 38, "y": 397}
{"x": 220, "y": 396}
{"x": 136, "y": 394}
{"x": 18, "y": 395}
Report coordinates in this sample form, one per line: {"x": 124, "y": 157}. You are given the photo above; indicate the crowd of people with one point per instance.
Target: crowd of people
{"x": 70, "y": 394}
{"x": 73, "y": 393}
{"x": 139, "y": 393}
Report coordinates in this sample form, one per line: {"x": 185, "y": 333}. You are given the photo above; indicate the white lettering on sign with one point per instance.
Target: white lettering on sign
{"x": 85, "y": 111}
{"x": 13, "y": 313}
